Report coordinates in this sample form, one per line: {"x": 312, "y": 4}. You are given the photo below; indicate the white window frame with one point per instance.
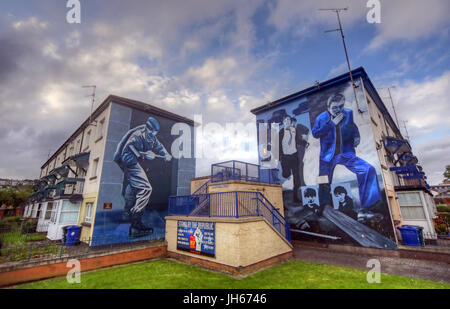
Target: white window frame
{"x": 66, "y": 211}
{"x": 47, "y": 210}
{"x": 54, "y": 214}
{"x": 88, "y": 212}
{"x": 88, "y": 139}
{"x": 39, "y": 211}
{"x": 95, "y": 163}
{"x": 406, "y": 216}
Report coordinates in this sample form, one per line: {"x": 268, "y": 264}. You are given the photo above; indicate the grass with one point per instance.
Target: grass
{"x": 167, "y": 274}
{"x": 16, "y": 246}
{"x": 17, "y": 238}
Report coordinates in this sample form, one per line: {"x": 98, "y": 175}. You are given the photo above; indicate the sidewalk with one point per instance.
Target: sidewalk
{"x": 428, "y": 270}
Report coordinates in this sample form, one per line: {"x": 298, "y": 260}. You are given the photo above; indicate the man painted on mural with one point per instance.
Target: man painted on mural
{"x": 339, "y": 136}
{"x": 198, "y": 239}
{"x": 292, "y": 144}
{"x": 344, "y": 202}
{"x": 138, "y": 145}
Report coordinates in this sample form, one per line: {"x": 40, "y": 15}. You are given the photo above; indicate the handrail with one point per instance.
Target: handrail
{"x": 201, "y": 188}
{"x": 275, "y": 213}
{"x": 239, "y": 170}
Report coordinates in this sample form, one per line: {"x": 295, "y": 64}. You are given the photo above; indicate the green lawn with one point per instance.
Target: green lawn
{"x": 167, "y": 274}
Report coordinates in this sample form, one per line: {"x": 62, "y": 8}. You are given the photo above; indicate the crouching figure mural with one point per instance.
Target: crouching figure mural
{"x": 138, "y": 145}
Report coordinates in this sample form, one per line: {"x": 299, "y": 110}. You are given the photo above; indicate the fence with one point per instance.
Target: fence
{"x": 50, "y": 250}
{"x": 26, "y": 241}
{"x": 237, "y": 170}
{"x": 436, "y": 240}
{"x": 229, "y": 204}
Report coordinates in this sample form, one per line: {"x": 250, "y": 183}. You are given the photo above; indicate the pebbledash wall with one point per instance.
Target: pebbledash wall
{"x": 330, "y": 193}
{"x": 113, "y": 220}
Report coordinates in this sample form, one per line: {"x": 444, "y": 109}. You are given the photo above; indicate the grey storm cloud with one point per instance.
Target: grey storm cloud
{"x": 157, "y": 52}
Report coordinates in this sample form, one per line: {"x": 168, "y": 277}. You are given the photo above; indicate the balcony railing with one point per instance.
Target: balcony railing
{"x": 229, "y": 204}
{"x": 237, "y": 170}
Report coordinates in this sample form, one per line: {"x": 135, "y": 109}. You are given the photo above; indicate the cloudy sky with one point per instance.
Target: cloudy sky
{"x": 218, "y": 59}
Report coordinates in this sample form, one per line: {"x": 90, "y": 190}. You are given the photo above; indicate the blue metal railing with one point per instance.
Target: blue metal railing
{"x": 202, "y": 189}
{"x": 229, "y": 204}
{"x": 238, "y": 170}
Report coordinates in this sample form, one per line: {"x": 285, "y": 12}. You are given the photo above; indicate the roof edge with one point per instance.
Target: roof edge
{"x": 145, "y": 107}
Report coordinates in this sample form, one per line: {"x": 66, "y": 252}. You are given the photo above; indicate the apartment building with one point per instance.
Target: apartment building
{"x": 119, "y": 159}
{"x": 348, "y": 174}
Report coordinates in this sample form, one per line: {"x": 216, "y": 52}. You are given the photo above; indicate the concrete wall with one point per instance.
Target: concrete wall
{"x": 239, "y": 242}
{"x": 381, "y": 127}
{"x": 86, "y": 230}
{"x": 198, "y": 182}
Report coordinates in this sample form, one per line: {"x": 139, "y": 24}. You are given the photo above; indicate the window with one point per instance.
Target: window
{"x": 69, "y": 212}
{"x": 88, "y": 213}
{"x": 411, "y": 206}
{"x": 48, "y": 212}
{"x": 38, "y": 214}
{"x": 88, "y": 139}
{"x": 54, "y": 213}
{"x": 94, "y": 168}
{"x": 77, "y": 149}
{"x": 101, "y": 125}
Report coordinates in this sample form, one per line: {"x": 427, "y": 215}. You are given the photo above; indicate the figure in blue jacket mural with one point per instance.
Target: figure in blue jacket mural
{"x": 137, "y": 145}
{"x": 339, "y": 136}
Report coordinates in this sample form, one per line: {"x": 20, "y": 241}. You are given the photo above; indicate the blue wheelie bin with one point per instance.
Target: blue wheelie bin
{"x": 411, "y": 235}
{"x": 72, "y": 235}
{"x": 420, "y": 234}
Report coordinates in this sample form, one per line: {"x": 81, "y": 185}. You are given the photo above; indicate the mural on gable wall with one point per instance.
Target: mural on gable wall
{"x": 329, "y": 169}
{"x": 139, "y": 146}
{"x": 139, "y": 174}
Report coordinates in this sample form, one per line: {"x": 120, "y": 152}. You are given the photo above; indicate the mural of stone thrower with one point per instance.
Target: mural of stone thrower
{"x": 137, "y": 145}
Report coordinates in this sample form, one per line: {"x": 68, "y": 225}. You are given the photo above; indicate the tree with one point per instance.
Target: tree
{"x": 14, "y": 196}
{"x": 447, "y": 174}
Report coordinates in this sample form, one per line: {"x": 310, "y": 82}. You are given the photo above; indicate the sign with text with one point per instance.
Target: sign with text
{"x": 196, "y": 237}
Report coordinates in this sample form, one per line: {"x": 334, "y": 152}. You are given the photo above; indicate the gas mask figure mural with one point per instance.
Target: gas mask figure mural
{"x": 138, "y": 145}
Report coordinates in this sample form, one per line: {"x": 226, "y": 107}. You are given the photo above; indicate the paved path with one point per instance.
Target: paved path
{"x": 428, "y": 270}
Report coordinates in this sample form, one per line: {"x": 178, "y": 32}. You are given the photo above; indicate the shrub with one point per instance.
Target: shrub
{"x": 441, "y": 229}
{"x": 443, "y": 208}
{"x": 29, "y": 226}
{"x": 9, "y": 224}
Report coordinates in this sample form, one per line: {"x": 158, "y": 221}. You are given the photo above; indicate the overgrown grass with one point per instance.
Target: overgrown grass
{"x": 16, "y": 246}
{"x": 166, "y": 274}
{"x": 17, "y": 238}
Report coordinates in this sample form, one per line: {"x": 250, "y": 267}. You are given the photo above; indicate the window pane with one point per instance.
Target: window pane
{"x": 48, "y": 213}
{"x": 409, "y": 199}
{"x": 68, "y": 217}
{"x": 68, "y": 206}
{"x": 88, "y": 216}
{"x": 412, "y": 212}
{"x": 54, "y": 214}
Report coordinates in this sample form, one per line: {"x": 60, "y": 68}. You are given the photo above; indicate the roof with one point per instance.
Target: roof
{"x": 359, "y": 72}
{"x": 145, "y": 107}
